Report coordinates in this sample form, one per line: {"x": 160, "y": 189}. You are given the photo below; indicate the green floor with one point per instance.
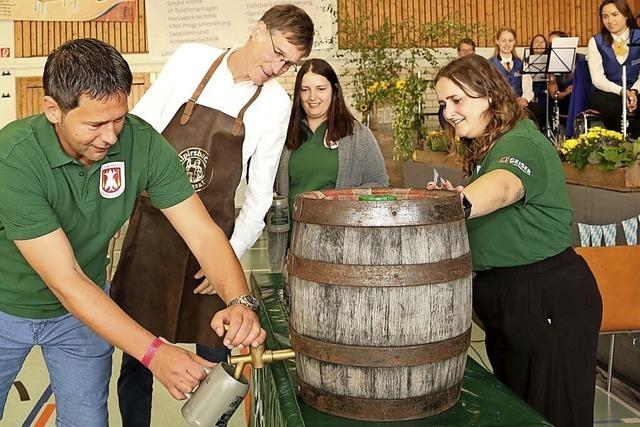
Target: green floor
{"x": 609, "y": 411}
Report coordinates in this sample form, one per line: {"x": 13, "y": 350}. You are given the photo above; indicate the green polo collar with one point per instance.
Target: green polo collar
{"x": 56, "y": 156}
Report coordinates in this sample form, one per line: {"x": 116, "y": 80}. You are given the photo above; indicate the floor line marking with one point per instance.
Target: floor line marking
{"x": 46, "y": 414}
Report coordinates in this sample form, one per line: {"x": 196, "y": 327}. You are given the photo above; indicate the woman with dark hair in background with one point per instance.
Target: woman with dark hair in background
{"x": 326, "y": 147}
{"x": 535, "y": 83}
{"x": 608, "y": 52}
{"x": 536, "y": 298}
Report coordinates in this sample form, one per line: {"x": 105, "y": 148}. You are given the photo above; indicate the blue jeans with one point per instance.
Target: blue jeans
{"x": 78, "y": 361}
{"x": 135, "y": 386}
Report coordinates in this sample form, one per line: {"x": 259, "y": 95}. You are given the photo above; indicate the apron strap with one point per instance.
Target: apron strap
{"x": 238, "y": 124}
{"x": 191, "y": 104}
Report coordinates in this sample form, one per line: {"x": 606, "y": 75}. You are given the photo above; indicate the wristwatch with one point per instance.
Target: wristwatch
{"x": 248, "y": 301}
{"x": 466, "y": 206}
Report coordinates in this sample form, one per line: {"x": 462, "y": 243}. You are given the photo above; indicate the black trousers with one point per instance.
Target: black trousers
{"x": 541, "y": 323}
{"x": 135, "y": 386}
{"x": 610, "y": 107}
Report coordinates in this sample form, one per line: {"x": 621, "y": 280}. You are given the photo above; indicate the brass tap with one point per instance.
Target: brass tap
{"x": 258, "y": 358}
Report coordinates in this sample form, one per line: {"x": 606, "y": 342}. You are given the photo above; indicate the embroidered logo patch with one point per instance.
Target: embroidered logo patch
{"x": 194, "y": 161}
{"x": 517, "y": 163}
{"x": 112, "y": 180}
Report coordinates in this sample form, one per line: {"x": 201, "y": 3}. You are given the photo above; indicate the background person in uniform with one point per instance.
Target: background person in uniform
{"x": 326, "y": 146}
{"x": 607, "y": 52}
{"x": 239, "y": 113}
{"x": 70, "y": 178}
{"x": 537, "y": 299}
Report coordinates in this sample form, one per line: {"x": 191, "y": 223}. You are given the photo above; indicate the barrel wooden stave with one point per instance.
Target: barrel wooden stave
{"x": 387, "y": 383}
{"x": 380, "y": 245}
{"x": 380, "y": 316}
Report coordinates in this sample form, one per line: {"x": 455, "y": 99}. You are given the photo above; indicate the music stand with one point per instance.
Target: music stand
{"x": 536, "y": 64}
{"x": 561, "y": 60}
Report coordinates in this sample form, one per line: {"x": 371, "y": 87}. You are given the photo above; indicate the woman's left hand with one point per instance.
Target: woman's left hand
{"x": 444, "y": 185}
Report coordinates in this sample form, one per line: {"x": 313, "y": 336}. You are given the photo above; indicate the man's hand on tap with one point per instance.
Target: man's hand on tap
{"x": 243, "y": 327}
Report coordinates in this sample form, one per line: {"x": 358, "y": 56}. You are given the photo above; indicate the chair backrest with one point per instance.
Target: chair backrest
{"x": 582, "y": 89}
{"x": 616, "y": 271}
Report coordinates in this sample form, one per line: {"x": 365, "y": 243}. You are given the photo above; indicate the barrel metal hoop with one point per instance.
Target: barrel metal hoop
{"x": 360, "y": 408}
{"x": 379, "y": 275}
{"x": 379, "y": 357}
{"x": 350, "y": 213}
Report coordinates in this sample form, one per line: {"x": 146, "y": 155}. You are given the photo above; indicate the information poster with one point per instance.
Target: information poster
{"x": 65, "y": 10}
{"x": 220, "y": 23}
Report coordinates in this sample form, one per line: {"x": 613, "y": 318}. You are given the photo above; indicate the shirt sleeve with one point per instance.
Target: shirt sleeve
{"x": 520, "y": 156}
{"x": 259, "y": 192}
{"x": 375, "y": 174}
{"x": 153, "y": 105}
{"x": 167, "y": 184}
{"x": 25, "y": 212}
{"x": 527, "y": 87}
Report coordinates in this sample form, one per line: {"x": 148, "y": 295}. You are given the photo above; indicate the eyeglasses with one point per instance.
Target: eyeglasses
{"x": 285, "y": 64}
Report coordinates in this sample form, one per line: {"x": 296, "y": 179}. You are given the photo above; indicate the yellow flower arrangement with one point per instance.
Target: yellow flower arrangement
{"x": 604, "y": 148}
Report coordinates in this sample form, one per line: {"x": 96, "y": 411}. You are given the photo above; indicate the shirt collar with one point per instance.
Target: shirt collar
{"x": 622, "y": 37}
{"x": 224, "y": 67}
{"x": 50, "y": 144}
{"x": 506, "y": 58}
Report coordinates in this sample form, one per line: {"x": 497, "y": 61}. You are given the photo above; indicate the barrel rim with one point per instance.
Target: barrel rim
{"x": 379, "y": 357}
{"x": 359, "y": 408}
{"x": 395, "y": 275}
{"x": 400, "y": 213}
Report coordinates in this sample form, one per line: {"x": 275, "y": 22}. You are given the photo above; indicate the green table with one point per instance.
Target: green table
{"x": 484, "y": 400}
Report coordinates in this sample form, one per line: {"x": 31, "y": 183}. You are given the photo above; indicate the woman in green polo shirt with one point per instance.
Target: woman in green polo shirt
{"x": 537, "y": 299}
{"x": 326, "y": 147}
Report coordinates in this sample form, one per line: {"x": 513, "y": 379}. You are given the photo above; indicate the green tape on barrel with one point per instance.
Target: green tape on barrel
{"x": 377, "y": 197}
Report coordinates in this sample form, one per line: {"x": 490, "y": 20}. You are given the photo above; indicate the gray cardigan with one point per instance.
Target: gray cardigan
{"x": 360, "y": 162}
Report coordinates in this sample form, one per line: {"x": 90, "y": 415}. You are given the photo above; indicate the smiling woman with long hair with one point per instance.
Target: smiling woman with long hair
{"x": 326, "y": 147}
{"x": 608, "y": 52}
{"x": 536, "y": 298}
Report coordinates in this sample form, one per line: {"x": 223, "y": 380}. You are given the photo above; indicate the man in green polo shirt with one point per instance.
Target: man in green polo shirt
{"x": 70, "y": 178}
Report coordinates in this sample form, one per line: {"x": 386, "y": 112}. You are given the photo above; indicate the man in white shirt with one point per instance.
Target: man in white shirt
{"x": 218, "y": 110}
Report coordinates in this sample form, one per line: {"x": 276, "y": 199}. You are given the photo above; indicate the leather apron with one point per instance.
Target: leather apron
{"x": 154, "y": 281}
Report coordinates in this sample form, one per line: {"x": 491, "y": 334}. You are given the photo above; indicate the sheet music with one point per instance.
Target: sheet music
{"x": 536, "y": 63}
{"x": 563, "y": 54}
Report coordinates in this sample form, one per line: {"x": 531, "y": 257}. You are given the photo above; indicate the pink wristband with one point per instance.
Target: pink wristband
{"x": 151, "y": 351}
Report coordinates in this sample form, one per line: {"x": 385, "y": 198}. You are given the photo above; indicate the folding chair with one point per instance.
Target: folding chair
{"x": 616, "y": 271}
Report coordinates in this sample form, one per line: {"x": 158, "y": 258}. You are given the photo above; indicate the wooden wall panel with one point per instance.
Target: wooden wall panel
{"x": 29, "y": 93}
{"x": 38, "y": 38}
{"x": 527, "y": 17}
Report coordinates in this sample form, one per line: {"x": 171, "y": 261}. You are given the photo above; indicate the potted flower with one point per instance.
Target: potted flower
{"x": 602, "y": 158}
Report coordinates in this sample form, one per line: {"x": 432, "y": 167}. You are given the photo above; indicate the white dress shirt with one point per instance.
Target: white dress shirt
{"x": 265, "y": 122}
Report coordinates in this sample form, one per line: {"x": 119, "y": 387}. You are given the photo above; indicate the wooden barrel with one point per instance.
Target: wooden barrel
{"x": 380, "y": 295}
